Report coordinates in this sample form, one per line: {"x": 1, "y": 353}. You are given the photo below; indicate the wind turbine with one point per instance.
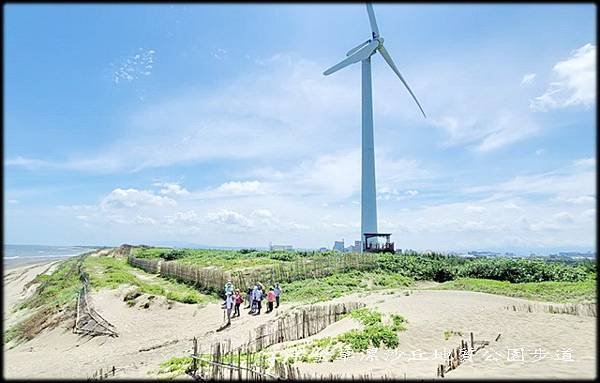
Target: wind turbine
{"x": 363, "y": 53}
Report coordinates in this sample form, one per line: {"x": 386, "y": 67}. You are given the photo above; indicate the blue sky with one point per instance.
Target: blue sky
{"x": 213, "y": 124}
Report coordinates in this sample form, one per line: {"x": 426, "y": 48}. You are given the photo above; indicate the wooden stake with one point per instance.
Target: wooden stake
{"x": 472, "y": 342}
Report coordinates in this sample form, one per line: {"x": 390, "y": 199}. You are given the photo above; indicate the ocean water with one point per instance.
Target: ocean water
{"x": 18, "y": 255}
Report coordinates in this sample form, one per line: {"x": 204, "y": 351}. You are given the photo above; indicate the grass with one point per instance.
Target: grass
{"x": 375, "y": 333}
{"x": 175, "y": 366}
{"x": 223, "y": 259}
{"x": 56, "y": 289}
{"x": 111, "y": 272}
{"x": 557, "y": 292}
{"x": 339, "y": 284}
{"x": 54, "y": 298}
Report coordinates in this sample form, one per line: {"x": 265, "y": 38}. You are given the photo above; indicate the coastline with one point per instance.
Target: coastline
{"x": 15, "y": 264}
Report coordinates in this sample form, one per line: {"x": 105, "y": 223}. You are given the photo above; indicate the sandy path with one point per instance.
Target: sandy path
{"x": 147, "y": 337}
{"x": 430, "y": 313}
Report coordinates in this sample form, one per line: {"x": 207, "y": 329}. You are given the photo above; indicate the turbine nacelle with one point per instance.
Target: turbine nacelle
{"x": 368, "y": 48}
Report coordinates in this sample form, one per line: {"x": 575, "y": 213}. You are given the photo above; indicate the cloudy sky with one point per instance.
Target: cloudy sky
{"x": 213, "y": 124}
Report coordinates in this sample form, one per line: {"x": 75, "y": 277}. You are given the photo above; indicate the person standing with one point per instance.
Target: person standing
{"x": 277, "y": 291}
{"x": 270, "y": 300}
{"x": 237, "y": 300}
{"x": 249, "y": 298}
{"x": 259, "y": 297}
{"x": 228, "y": 287}
{"x": 254, "y": 294}
{"x": 229, "y": 306}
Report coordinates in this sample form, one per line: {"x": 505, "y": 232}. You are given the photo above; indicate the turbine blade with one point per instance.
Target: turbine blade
{"x": 359, "y": 55}
{"x": 372, "y": 20}
{"x": 356, "y": 48}
{"x": 390, "y": 62}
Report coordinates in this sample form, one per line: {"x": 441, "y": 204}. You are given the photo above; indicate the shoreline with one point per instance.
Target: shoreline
{"x": 9, "y": 266}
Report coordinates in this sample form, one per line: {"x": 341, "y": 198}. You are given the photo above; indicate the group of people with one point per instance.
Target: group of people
{"x": 254, "y": 297}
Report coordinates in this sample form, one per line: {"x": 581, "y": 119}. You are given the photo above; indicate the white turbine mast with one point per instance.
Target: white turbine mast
{"x": 363, "y": 53}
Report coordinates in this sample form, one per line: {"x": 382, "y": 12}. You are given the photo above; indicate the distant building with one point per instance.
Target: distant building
{"x": 577, "y": 254}
{"x": 338, "y": 245}
{"x": 280, "y": 247}
{"x": 323, "y": 249}
{"x": 483, "y": 253}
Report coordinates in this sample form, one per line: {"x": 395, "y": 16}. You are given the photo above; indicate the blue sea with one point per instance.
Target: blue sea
{"x": 19, "y": 255}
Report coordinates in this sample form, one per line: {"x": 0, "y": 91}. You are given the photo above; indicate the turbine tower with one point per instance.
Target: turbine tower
{"x": 363, "y": 53}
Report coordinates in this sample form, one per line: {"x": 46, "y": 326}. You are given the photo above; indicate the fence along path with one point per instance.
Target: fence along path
{"x": 213, "y": 279}
{"x": 245, "y": 362}
{"x": 88, "y": 321}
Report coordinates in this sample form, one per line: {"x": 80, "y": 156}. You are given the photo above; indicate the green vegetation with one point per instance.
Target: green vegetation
{"x": 56, "y": 289}
{"x": 400, "y": 270}
{"x": 559, "y": 292}
{"x": 398, "y": 322}
{"x": 339, "y": 284}
{"x": 374, "y": 333}
{"x": 55, "y": 297}
{"x": 450, "y": 333}
{"x": 175, "y": 366}
{"x": 224, "y": 259}
{"x": 442, "y": 268}
{"x": 111, "y": 272}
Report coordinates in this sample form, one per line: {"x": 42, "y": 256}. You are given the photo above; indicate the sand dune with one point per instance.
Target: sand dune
{"x": 164, "y": 330}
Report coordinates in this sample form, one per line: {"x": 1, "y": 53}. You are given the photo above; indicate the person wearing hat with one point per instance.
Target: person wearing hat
{"x": 228, "y": 287}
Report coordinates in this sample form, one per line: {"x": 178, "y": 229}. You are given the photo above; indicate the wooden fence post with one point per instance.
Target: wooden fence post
{"x": 194, "y": 360}
{"x": 472, "y": 342}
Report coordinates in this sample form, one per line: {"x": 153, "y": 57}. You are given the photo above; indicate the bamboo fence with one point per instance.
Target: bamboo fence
{"x": 87, "y": 320}
{"x": 213, "y": 279}
{"x": 460, "y": 354}
{"x": 103, "y": 373}
{"x": 148, "y": 265}
{"x": 581, "y": 309}
{"x": 245, "y": 362}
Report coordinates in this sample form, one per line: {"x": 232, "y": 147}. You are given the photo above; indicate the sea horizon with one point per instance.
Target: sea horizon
{"x": 19, "y": 255}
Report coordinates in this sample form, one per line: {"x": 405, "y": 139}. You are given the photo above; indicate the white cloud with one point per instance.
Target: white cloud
{"x": 144, "y": 220}
{"x": 27, "y": 163}
{"x": 506, "y": 129}
{"x": 582, "y": 200}
{"x": 586, "y": 162}
{"x": 172, "y": 189}
{"x": 528, "y": 79}
{"x": 575, "y": 82}
{"x": 475, "y": 209}
{"x": 220, "y": 54}
{"x": 127, "y": 198}
{"x": 240, "y": 188}
{"x": 13, "y": 201}
{"x": 386, "y": 193}
{"x": 138, "y": 64}
{"x": 487, "y": 133}
{"x": 229, "y": 218}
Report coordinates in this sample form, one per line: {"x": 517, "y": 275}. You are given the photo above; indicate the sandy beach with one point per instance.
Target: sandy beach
{"x": 150, "y": 336}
